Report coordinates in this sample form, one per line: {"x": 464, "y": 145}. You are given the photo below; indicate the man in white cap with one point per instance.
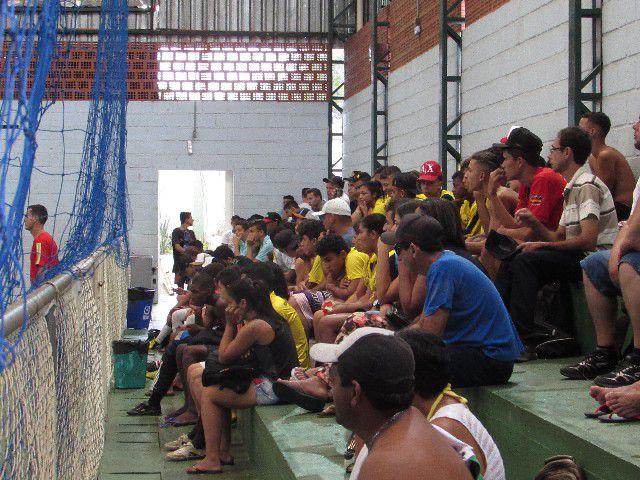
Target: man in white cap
{"x": 337, "y": 219}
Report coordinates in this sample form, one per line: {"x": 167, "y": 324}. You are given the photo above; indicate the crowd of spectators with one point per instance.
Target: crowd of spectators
{"x": 404, "y": 291}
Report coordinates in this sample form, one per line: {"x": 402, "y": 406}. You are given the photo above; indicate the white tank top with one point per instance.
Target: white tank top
{"x": 460, "y": 413}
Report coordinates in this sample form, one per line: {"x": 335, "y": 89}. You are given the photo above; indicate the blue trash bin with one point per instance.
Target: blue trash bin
{"x": 139, "y": 305}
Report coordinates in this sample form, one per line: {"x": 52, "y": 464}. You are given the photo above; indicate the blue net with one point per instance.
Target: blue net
{"x": 35, "y": 39}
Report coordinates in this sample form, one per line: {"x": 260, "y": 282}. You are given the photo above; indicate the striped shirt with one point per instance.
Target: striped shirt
{"x": 586, "y": 195}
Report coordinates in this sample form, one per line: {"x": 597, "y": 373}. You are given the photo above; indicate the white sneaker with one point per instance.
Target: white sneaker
{"x": 180, "y": 442}
{"x": 187, "y": 452}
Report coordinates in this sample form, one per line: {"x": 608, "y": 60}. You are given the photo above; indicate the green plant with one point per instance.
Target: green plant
{"x": 165, "y": 237}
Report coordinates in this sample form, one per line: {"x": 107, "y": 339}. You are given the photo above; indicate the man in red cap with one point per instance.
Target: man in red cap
{"x": 430, "y": 181}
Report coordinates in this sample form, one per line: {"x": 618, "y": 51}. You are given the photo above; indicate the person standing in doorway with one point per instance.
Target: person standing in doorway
{"x": 44, "y": 251}
{"x": 181, "y": 238}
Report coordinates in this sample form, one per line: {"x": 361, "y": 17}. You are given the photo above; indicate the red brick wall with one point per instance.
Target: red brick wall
{"x": 476, "y": 9}
{"x": 404, "y": 45}
{"x": 357, "y": 74}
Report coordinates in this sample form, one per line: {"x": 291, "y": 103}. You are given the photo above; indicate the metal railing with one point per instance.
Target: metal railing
{"x": 54, "y": 393}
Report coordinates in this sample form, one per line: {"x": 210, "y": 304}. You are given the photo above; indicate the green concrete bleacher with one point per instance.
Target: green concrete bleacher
{"x": 286, "y": 442}
{"x": 538, "y": 414}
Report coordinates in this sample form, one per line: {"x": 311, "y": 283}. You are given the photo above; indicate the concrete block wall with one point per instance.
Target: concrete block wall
{"x": 271, "y": 149}
{"x": 515, "y": 72}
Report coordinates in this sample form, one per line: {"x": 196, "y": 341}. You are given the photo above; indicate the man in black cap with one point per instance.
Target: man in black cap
{"x": 540, "y": 191}
{"x": 405, "y": 185}
{"x": 473, "y": 322}
{"x": 335, "y": 188}
{"x": 356, "y": 179}
{"x": 372, "y": 382}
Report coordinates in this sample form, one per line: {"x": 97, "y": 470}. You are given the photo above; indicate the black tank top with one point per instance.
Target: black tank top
{"x": 278, "y": 358}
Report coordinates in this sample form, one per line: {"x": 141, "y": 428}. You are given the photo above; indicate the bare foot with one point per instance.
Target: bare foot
{"x": 599, "y": 393}
{"x": 625, "y": 403}
{"x": 185, "y": 417}
{"x": 205, "y": 466}
{"x": 300, "y": 373}
{"x": 311, "y": 386}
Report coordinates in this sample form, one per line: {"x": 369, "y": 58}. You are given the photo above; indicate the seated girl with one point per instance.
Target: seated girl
{"x": 252, "y": 328}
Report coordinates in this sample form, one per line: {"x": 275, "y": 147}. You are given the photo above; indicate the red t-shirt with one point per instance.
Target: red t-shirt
{"x": 44, "y": 254}
{"x": 544, "y": 197}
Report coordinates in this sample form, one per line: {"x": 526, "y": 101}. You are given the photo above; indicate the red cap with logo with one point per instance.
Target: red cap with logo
{"x": 430, "y": 171}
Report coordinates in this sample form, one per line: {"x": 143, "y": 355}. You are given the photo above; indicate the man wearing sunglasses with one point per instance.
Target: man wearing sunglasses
{"x": 474, "y": 324}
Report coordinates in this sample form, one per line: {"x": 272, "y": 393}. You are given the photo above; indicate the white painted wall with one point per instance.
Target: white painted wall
{"x": 515, "y": 72}
{"x": 272, "y": 149}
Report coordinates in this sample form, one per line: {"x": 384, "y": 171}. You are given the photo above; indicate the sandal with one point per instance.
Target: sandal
{"x": 288, "y": 394}
{"x": 615, "y": 418}
{"x": 198, "y": 471}
{"x": 598, "y": 412}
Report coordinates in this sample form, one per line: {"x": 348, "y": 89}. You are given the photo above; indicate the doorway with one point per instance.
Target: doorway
{"x": 208, "y": 195}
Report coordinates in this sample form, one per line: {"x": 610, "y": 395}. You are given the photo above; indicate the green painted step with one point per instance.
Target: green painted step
{"x": 133, "y": 445}
{"x": 540, "y": 414}
{"x": 287, "y": 442}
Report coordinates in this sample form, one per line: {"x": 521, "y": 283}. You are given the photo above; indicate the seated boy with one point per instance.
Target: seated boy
{"x": 336, "y": 273}
{"x": 328, "y": 320}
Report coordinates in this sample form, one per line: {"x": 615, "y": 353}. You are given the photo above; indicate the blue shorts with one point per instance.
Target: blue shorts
{"x": 596, "y": 267}
{"x": 264, "y": 392}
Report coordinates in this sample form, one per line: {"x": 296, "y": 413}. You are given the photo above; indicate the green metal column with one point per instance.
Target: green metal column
{"x": 379, "y": 56}
{"x": 578, "y": 85}
{"x": 450, "y": 131}
{"x": 339, "y": 27}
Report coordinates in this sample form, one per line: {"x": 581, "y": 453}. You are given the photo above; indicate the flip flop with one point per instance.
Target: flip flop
{"x": 598, "y": 412}
{"x": 175, "y": 423}
{"x": 615, "y": 418}
{"x": 198, "y": 471}
{"x": 288, "y": 394}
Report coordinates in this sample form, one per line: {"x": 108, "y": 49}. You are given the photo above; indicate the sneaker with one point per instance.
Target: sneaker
{"x": 594, "y": 364}
{"x": 186, "y": 452}
{"x": 144, "y": 409}
{"x": 178, "y": 443}
{"x": 625, "y": 373}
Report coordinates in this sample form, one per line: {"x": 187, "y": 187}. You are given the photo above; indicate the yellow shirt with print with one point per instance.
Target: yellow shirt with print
{"x": 286, "y": 311}
{"x": 471, "y": 223}
{"x": 370, "y": 279}
{"x": 355, "y": 267}
{"x": 380, "y": 206}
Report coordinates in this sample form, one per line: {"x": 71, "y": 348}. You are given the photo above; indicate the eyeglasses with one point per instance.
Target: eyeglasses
{"x": 398, "y": 247}
{"x": 553, "y": 149}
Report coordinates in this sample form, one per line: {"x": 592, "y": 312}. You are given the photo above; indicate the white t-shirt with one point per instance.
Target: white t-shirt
{"x": 460, "y": 413}
{"x": 227, "y": 238}
{"x": 464, "y": 450}
{"x": 636, "y": 195}
{"x": 285, "y": 262}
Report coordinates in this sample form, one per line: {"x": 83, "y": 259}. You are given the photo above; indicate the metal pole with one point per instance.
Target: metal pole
{"x": 575, "y": 61}
{"x": 38, "y": 299}
{"x": 330, "y": 87}
{"x": 373, "y": 55}
{"x": 444, "y": 87}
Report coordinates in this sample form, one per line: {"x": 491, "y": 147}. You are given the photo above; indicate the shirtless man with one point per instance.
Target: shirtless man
{"x": 375, "y": 403}
{"x": 609, "y": 164}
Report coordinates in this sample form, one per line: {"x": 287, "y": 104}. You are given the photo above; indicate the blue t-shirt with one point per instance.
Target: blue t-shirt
{"x": 265, "y": 249}
{"x": 477, "y": 315}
